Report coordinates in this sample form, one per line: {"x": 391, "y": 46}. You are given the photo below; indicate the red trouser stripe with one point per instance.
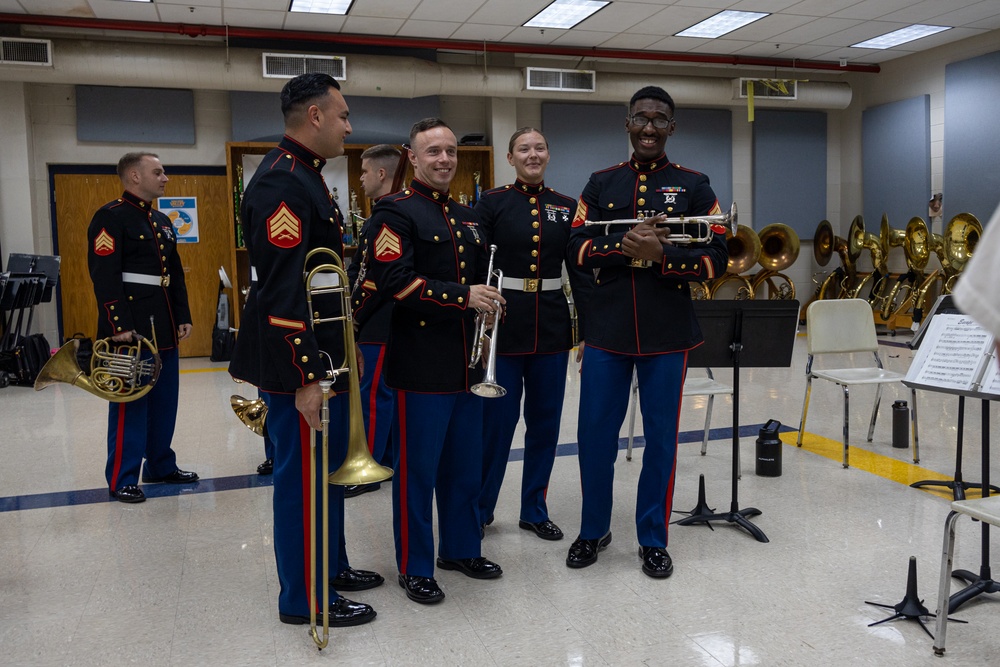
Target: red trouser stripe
{"x": 673, "y": 471}
{"x": 372, "y": 396}
{"x": 119, "y": 441}
{"x": 404, "y": 518}
{"x": 305, "y": 446}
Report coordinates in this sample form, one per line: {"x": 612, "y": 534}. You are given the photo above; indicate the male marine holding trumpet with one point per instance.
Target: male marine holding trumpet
{"x": 430, "y": 260}
{"x": 639, "y": 317}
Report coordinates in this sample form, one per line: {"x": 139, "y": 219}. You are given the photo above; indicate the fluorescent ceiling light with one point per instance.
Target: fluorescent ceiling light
{"x": 321, "y": 6}
{"x": 136, "y": 0}
{"x": 901, "y": 36}
{"x": 721, "y": 23}
{"x": 564, "y": 13}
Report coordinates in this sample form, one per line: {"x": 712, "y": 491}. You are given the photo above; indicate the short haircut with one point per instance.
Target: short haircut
{"x": 520, "y": 132}
{"x": 424, "y": 125}
{"x": 381, "y": 152}
{"x": 305, "y": 89}
{"x": 131, "y": 161}
{"x": 652, "y": 93}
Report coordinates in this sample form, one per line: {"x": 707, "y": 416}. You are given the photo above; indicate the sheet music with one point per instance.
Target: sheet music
{"x": 953, "y": 355}
{"x": 991, "y": 378}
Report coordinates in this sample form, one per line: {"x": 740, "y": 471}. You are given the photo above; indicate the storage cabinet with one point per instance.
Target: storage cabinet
{"x": 243, "y": 157}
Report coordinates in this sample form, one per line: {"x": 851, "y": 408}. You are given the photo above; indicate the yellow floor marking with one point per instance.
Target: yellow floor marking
{"x": 903, "y": 472}
{"x": 220, "y": 369}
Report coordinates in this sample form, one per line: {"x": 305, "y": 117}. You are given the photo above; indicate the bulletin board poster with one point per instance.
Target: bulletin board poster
{"x": 183, "y": 213}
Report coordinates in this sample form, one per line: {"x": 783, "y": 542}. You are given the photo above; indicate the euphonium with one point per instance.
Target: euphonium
{"x": 487, "y": 345}
{"x": 779, "y": 250}
{"x": 915, "y": 240}
{"x": 744, "y": 251}
{"x": 118, "y": 372}
{"x": 825, "y": 243}
{"x": 253, "y": 413}
{"x": 960, "y": 239}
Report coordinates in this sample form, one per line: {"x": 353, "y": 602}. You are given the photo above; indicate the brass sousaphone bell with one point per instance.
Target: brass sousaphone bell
{"x": 779, "y": 248}
{"x": 744, "y": 251}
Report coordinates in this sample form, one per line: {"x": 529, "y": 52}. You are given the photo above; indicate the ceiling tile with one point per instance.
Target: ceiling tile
{"x": 618, "y": 17}
{"x": 429, "y": 29}
{"x": 725, "y": 46}
{"x": 363, "y": 25}
{"x": 630, "y": 41}
{"x": 271, "y": 5}
{"x": 384, "y": 9}
{"x": 190, "y": 14}
{"x": 532, "y": 35}
{"x": 477, "y": 32}
{"x": 314, "y": 22}
{"x": 508, "y": 12}
{"x": 672, "y": 20}
{"x": 445, "y": 10}
{"x": 121, "y": 11}
{"x": 814, "y": 30}
{"x": 583, "y": 38}
{"x": 249, "y": 18}
{"x": 830, "y": 7}
{"x": 969, "y": 14}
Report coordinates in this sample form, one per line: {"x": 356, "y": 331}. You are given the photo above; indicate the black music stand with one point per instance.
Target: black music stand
{"x": 741, "y": 333}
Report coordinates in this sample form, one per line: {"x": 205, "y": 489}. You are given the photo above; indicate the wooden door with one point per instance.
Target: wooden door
{"x": 78, "y": 196}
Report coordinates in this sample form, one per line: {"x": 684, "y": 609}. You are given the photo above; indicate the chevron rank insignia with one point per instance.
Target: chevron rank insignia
{"x": 104, "y": 244}
{"x": 388, "y": 246}
{"x": 284, "y": 229}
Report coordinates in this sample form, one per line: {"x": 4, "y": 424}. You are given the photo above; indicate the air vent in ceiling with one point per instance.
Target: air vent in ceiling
{"x": 566, "y": 80}
{"x": 782, "y": 89}
{"x": 17, "y": 51}
{"x": 289, "y": 65}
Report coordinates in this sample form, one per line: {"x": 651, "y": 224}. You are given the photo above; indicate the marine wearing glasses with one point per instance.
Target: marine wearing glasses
{"x": 658, "y": 123}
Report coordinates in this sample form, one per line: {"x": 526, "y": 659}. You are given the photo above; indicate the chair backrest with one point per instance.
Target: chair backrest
{"x": 840, "y": 325}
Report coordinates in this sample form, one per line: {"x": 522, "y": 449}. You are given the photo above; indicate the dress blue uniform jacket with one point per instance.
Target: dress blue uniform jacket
{"x": 530, "y": 225}
{"x": 371, "y": 313}
{"x": 428, "y": 251}
{"x": 644, "y": 310}
{"x": 287, "y": 211}
{"x": 127, "y": 235}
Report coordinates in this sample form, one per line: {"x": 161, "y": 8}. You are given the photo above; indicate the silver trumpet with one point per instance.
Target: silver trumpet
{"x": 488, "y": 388}
{"x": 683, "y": 230}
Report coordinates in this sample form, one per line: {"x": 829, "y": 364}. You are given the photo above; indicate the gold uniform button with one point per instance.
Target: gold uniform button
{"x": 159, "y": 236}
{"x": 406, "y": 192}
{"x": 453, "y": 221}
{"x": 130, "y": 298}
{"x": 605, "y": 246}
{"x": 642, "y": 188}
{"x": 112, "y": 308}
{"x": 642, "y": 177}
{"x": 142, "y": 237}
{"x": 463, "y": 280}
{"x": 445, "y": 209}
{"x": 670, "y": 208}
{"x": 311, "y": 376}
{"x": 535, "y": 224}
{"x": 652, "y": 166}
{"x": 161, "y": 246}
{"x": 534, "y": 253}
{"x": 532, "y": 200}
{"x": 641, "y": 202}
{"x": 436, "y": 237}
{"x": 460, "y": 299}
{"x": 164, "y": 259}
{"x": 305, "y": 358}
{"x": 422, "y": 323}
{"x": 694, "y": 266}
{"x": 444, "y": 296}
{"x": 461, "y": 248}
{"x": 535, "y": 238}
{"x": 534, "y": 211}
{"x": 430, "y": 292}
{"x": 618, "y": 245}
{"x": 461, "y": 265}
{"x": 458, "y": 234}
{"x": 298, "y": 341}
{"x": 683, "y": 266}
{"x": 670, "y": 266}
{"x": 534, "y": 267}
{"x": 115, "y": 318}
{"x": 118, "y": 329}
{"x": 611, "y": 205}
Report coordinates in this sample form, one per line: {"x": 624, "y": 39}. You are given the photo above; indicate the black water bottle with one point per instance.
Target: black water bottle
{"x": 769, "y": 450}
{"x": 900, "y": 425}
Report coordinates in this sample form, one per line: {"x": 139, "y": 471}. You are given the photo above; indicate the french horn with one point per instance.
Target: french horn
{"x": 119, "y": 372}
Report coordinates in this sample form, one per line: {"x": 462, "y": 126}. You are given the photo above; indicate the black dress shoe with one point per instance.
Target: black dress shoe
{"x": 421, "y": 589}
{"x": 357, "y": 489}
{"x": 544, "y": 529}
{"x": 343, "y": 613}
{"x": 356, "y": 580}
{"x": 656, "y": 562}
{"x": 584, "y": 552}
{"x": 176, "y": 477}
{"x": 266, "y": 468}
{"x": 130, "y": 493}
{"x": 477, "y": 568}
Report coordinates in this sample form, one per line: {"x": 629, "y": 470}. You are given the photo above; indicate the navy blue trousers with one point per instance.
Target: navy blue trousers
{"x": 437, "y": 440}
{"x": 292, "y": 509}
{"x": 541, "y": 378}
{"x": 144, "y": 428}
{"x": 376, "y": 404}
{"x": 604, "y": 397}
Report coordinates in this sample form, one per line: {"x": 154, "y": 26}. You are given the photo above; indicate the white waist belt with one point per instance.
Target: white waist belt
{"x": 532, "y": 284}
{"x": 146, "y": 279}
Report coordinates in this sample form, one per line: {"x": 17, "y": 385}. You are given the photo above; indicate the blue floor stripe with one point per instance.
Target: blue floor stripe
{"x": 253, "y": 480}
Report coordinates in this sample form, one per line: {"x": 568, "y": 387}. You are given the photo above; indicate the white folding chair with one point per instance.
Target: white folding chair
{"x": 986, "y": 510}
{"x": 846, "y": 326}
{"x": 693, "y": 386}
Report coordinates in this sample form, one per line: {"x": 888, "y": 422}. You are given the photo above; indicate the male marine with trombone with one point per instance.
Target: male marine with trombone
{"x": 639, "y": 316}
{"x": 288, "y": 211}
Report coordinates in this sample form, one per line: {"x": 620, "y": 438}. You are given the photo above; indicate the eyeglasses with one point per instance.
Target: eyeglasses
{"x": 658, "y": 123}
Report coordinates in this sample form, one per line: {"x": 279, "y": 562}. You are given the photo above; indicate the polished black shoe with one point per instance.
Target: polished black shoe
{"x": 477, "y": 568}
{"x": 343, "y": 613}
{"x": 176, "y": 477}
{"x": 356, "y": 580}
{"x": 357, "y": 489}
{"x": 544, "y": 529}
{"x": 421, "y": 589}
{"x": 130, "y": 493}
{"x": 656, "y": 562}
{"x": 266, "y": 468}
{"x": 584, "y": 552}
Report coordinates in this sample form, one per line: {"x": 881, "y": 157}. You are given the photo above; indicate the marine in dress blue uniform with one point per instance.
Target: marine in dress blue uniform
{"x": 639, "y": 317}
{"x": 288, "y": 211}
{"x": 530, "y": 225}
{"x": 429, "y": 259}
{"x": 139, "y": 284}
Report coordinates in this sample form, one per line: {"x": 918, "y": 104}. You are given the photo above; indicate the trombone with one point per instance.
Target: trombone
{"x": 683, "y": 230}
{"x": 488, "y": 388}
{"x": 359, "y": 467}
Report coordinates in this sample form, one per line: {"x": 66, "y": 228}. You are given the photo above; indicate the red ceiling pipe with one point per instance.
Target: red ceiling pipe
{"x": 193, "y": 30}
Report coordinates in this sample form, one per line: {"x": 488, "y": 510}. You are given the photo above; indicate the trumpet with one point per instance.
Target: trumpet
{"x": 359, "y": 467}
{"x": 683, "y": 230}
{"x": 488, "y": 388}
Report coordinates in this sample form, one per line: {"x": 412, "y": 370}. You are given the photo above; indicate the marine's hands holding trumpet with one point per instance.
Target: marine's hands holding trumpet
{"x": 646, "y": 240}
{"x": 489, "y": 303}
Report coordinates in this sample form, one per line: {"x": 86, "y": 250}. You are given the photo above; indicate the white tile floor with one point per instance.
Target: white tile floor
{"x": 189, "y": 579}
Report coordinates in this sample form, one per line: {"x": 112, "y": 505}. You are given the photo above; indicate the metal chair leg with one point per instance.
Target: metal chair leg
{"x": 913, "y": 420}
{"x": 944, "y": 583}
{"x": 878, "y": 400}
{"x": 708, "y": 424}
{"x": 805, "y": 409}
{"x": 847, "y": 422}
